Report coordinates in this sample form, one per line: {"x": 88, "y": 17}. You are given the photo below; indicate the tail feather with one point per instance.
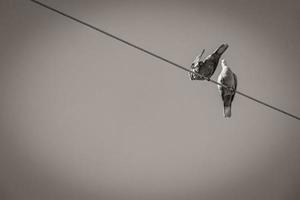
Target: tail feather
{"x": 221, "y": 50}
{"x": 227, "y": 111}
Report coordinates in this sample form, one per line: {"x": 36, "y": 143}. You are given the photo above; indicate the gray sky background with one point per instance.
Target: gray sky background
{"x": 85, "y": 117}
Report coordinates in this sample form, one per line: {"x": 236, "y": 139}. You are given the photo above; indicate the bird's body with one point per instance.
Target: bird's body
{"x": 207, "y": 67}
{"x": 229, "y": 79}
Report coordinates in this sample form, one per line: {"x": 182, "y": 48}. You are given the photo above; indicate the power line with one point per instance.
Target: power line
{"x": 161, "y": 58}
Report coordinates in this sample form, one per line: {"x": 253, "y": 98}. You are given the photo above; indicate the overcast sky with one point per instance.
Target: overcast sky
{"x": 86, "y": 117}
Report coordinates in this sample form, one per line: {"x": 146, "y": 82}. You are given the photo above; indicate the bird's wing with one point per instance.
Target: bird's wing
{"x": 213, "y": 69}
{"x": 223, "y": 93}
{"x": 221, "y": 88}
{"x": 235, "y": 80}
{"x": 235, "y": 85}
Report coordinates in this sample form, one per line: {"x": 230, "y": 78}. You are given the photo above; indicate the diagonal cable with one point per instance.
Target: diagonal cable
{"x": 161, "y": 58}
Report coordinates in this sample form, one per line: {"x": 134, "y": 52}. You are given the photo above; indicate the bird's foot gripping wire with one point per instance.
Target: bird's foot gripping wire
{"x": 231, "y": 89}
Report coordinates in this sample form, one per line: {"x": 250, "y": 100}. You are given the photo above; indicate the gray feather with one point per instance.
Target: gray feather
{"x": 229, "y": 79}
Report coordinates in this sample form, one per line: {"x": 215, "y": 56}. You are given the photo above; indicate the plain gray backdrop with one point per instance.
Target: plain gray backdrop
{"x": 86, "y": 117}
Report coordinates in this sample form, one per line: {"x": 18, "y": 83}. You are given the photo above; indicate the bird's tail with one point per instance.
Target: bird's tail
{"x": 227, "y": 111}
{"x": 221, "y": 50}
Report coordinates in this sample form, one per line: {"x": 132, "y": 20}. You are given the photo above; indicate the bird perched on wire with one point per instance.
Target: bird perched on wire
{"x": 229, "y": 79}
{"x": 207, "y": 67}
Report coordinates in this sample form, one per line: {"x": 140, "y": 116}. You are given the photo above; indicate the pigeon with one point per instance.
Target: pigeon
{"x": 207, "y": 67}
{"x": 229, "y": 79}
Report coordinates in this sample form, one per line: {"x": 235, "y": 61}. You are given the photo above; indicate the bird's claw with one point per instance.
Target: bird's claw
{"x": 231, "y": 89}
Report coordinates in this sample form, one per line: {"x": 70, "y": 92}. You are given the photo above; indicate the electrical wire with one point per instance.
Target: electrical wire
{"x": 162, "y": 58}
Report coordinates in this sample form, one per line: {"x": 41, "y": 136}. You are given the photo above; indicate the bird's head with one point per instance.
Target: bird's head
{"x": 223, "y": 63}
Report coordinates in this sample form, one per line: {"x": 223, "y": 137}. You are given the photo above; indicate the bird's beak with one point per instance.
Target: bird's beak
{"x": 222, "y": 49}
